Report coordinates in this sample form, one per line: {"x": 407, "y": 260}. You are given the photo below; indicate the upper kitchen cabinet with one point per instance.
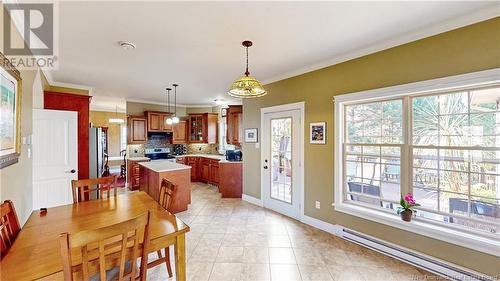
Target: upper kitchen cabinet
{"x": 203, "y": 128}
{"x": 137, "y": 130}
{"x": 179, "y": 133}
{"x": 234, "y": 121}
{"x": 157, "y": 121}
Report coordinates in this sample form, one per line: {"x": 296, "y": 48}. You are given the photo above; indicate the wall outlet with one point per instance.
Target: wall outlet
{"x": 318, "y": 204}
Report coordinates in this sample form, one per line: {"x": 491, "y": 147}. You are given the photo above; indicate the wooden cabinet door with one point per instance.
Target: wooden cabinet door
{"x": 211, "y": 128}
{"x": 234, "y": 128}
{"x": 214, "y": 171}
{"x": 164, "y": 126}
{"x": 193, "y": 162}
{"x": 205, "y": 170}
{"x": 137, "y": 133}
{"x": 196, "y": 132}
{"x": 155, "y": 120}
{"x": 179, "y": 133}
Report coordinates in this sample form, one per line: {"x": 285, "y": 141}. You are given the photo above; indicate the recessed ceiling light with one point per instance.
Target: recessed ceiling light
{"x": 220, "y": 101}
{"x": 127, "y": 45}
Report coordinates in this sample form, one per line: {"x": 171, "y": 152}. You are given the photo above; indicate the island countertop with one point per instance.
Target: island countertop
{"x": 160, "y": 166}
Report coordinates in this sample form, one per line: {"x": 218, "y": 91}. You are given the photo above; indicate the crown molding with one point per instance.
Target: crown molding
{"x": 448, "y": 25}
{"x": 165, "y": 104}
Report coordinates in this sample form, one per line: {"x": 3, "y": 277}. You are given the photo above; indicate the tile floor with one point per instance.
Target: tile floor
{"x": 233, "y": 240}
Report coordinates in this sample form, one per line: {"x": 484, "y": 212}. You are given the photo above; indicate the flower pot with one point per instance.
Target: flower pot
{"x": 406, "y": 215}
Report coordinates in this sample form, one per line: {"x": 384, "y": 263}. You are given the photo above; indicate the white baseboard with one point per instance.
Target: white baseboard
{"x": 252, "y": 200}
{"x": 328, "y": 227}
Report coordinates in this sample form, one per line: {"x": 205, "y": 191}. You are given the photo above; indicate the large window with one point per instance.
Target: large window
{"x": 442, "y": 145}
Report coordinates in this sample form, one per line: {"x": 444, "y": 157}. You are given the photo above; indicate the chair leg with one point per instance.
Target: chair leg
{"x": 167, "y": 262}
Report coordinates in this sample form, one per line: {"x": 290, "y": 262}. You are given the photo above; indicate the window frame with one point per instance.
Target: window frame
{"x": 446, "y": 232}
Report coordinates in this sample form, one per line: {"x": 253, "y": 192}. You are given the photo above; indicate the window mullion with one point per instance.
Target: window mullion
{"x": 406, "y": 158}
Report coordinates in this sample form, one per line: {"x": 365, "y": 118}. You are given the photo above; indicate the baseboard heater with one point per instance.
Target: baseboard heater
{"x": 430, "y": 264}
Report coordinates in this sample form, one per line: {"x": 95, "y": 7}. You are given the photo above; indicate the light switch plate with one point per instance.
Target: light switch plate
{"x": 257, "y": 145}
{"x": 318, "y": 204}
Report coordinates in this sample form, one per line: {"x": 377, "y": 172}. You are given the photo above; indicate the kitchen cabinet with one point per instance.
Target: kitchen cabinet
{"x": 203, "y": 128}
{"x": 179, "y": 133}
{"x": 133, "y": 173}
{"x": 137, "y": 130}
{"x": 230, "y": 184}
{"x": 205, "y": 170}
{"x": 214, "y": 172}
{"x": 194, "y": 163}
{"x": 234, "y": 132}
{"x": 157, "y": 121}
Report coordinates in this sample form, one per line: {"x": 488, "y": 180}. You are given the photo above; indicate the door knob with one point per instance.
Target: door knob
{"x": 72, "y": 171}
{"x": 265, "y": 167}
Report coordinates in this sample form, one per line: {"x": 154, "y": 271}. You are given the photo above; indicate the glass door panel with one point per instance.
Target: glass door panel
{"x": 281, "y": 159}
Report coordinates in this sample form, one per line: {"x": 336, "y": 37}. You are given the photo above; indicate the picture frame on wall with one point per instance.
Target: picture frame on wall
{"x": 317, "y": 133}
{"x": 223, "y": 112}
{"x": 10, "y": 108}
{"x": 251, "y": 135}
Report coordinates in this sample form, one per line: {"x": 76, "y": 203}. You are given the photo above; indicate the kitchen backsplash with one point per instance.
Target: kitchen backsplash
{"x": 196, "y": 148}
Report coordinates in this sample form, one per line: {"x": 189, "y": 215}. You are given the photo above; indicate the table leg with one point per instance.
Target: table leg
{"x": 180, "y": 258}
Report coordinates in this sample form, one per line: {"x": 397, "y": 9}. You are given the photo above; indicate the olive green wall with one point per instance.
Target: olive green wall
{"x": 468, "y": 49}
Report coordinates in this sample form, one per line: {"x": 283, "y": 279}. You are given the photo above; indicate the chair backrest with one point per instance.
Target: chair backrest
{"x": 83, "y": 189}
{"x": 105, "y": 166}
{"x": 365, "y": 189}
{"x": 124, "y": 154}
{"x": 477, "y": 207}
{"x": 167, "y": 194}
{"x": 9, "y": 226}
{"x": 89, "y": 252}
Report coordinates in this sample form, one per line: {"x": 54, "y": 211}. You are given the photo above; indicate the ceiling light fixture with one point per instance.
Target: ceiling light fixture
{"x": 175, "y": 119}
{"x": 127, "y": 45}
{"x": 116, "y": 120}
{"x": 219, "y": 101}
{"x": 247, "y": 86}
{"x": 169, "y": 120}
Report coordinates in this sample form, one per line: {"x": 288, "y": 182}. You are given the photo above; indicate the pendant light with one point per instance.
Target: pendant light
{"x": 169, "y": 120}
{"x": 247, "y": 86}
{"x": 175, "y": 119}
{"x": 116, "y": 120}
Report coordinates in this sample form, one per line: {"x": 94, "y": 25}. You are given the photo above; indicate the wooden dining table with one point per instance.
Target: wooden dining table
{"x": 35, "y": 254}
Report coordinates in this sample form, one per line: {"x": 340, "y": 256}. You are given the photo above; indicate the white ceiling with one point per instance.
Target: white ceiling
{"x": 198, "y": 44}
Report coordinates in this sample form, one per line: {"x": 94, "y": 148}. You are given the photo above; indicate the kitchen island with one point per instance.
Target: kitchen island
{"x": 152, "y": 173}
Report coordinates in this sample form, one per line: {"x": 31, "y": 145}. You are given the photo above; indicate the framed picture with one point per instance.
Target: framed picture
{"x": 223, "y": 112}
{"x": 10, "y": 111}
{"x": 251, "y": 135}
{"x": 317, "y": 133}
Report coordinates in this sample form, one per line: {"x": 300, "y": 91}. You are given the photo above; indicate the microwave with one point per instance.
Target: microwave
{"x": 234, "y": 155}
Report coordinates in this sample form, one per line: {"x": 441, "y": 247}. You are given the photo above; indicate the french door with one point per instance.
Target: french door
{"x": 281, "y": 160}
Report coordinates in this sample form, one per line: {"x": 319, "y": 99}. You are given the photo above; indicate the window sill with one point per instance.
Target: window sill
{"x": 468, "y": 240}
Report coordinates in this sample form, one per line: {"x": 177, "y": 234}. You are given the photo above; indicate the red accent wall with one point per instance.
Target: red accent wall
{"x": 79, "y": 103}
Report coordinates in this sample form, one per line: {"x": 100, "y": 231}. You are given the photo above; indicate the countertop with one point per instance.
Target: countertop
{"x": 221, "y": 158}
{"x": 138, "y": 158}
{"x": 164, "y": 166}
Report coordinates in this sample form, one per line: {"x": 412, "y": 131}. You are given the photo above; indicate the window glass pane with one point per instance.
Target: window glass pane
{"x": 453, "y": 103}
{"x": 425, "y": 120}
{"x": 484, "y": 100}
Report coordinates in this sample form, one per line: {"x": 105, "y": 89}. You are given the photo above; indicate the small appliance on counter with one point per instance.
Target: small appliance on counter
{"x": 160, "y": 153}
{"x": 180, "y": 149}
{"x": 234, "y": 155}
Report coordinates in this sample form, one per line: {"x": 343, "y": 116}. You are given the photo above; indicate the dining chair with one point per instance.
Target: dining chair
{"x": 123, "y": 166}
{"x": 9, "y": 226}
{"x": 84, "y": 189}
{"x": 105, "y": 166}
{"x": 108, "y": 253}
{"x": 166, "y": 200}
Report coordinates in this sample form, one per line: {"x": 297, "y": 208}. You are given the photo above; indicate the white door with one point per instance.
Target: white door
{"x": 282, "y": 144}
{"x": 55, "y": 156}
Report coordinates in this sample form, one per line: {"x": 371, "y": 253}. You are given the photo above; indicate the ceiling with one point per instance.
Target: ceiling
{"x": 198, "y": 44}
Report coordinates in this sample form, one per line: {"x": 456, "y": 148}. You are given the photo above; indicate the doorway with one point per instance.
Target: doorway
{"x": 282, "y": 155}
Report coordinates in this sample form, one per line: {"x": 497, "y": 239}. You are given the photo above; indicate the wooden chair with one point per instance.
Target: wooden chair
{"x": 123, "y": 166}
{"x": 9, "y": 226}
{"x": 166, "y": 199}
{"x": 109, "y": 253}
{"x": 82, "y": 189}
{"x": 105, "y": 166}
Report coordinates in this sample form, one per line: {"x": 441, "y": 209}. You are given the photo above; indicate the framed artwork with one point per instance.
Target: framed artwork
{"x": 317, "y": 134}
{"x": 223, "y": 112}
{"x": 251, "y": 135}
{"x": 10, "y": 113}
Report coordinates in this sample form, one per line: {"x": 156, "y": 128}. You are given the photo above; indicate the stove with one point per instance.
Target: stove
{"x": 160, "y": 153}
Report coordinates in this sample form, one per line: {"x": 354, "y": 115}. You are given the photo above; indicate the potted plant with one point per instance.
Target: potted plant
{"x": 406, "y": 209}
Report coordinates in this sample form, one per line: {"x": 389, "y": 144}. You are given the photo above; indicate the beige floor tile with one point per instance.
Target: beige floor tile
{"x": 204, "y": 253}
{"x": 256, "y": 272}
{"x": 203, "y": 219}
{"x": 281, "y": 256}
{"x": 233, "y": 240}
{"x": 376, "y": 274}
{"x": 256, "y": 255}
{"x": 314, "y": 273}
{"x": 198, "y": 271}
{"x": 226, "y": 272}
{"x": 230, "y": 255}
{"x": 285, "y": 272}
{"x": 308, "y": 256}
{"x": 346, "y": 273}
{"x": 279, "y": 241}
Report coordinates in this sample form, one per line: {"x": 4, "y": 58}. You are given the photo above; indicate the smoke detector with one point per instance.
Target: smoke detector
{"x": 127, "y": 45}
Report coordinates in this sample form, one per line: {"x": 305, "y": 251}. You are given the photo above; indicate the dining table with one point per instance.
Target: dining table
{"x": 35, "y": 254}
